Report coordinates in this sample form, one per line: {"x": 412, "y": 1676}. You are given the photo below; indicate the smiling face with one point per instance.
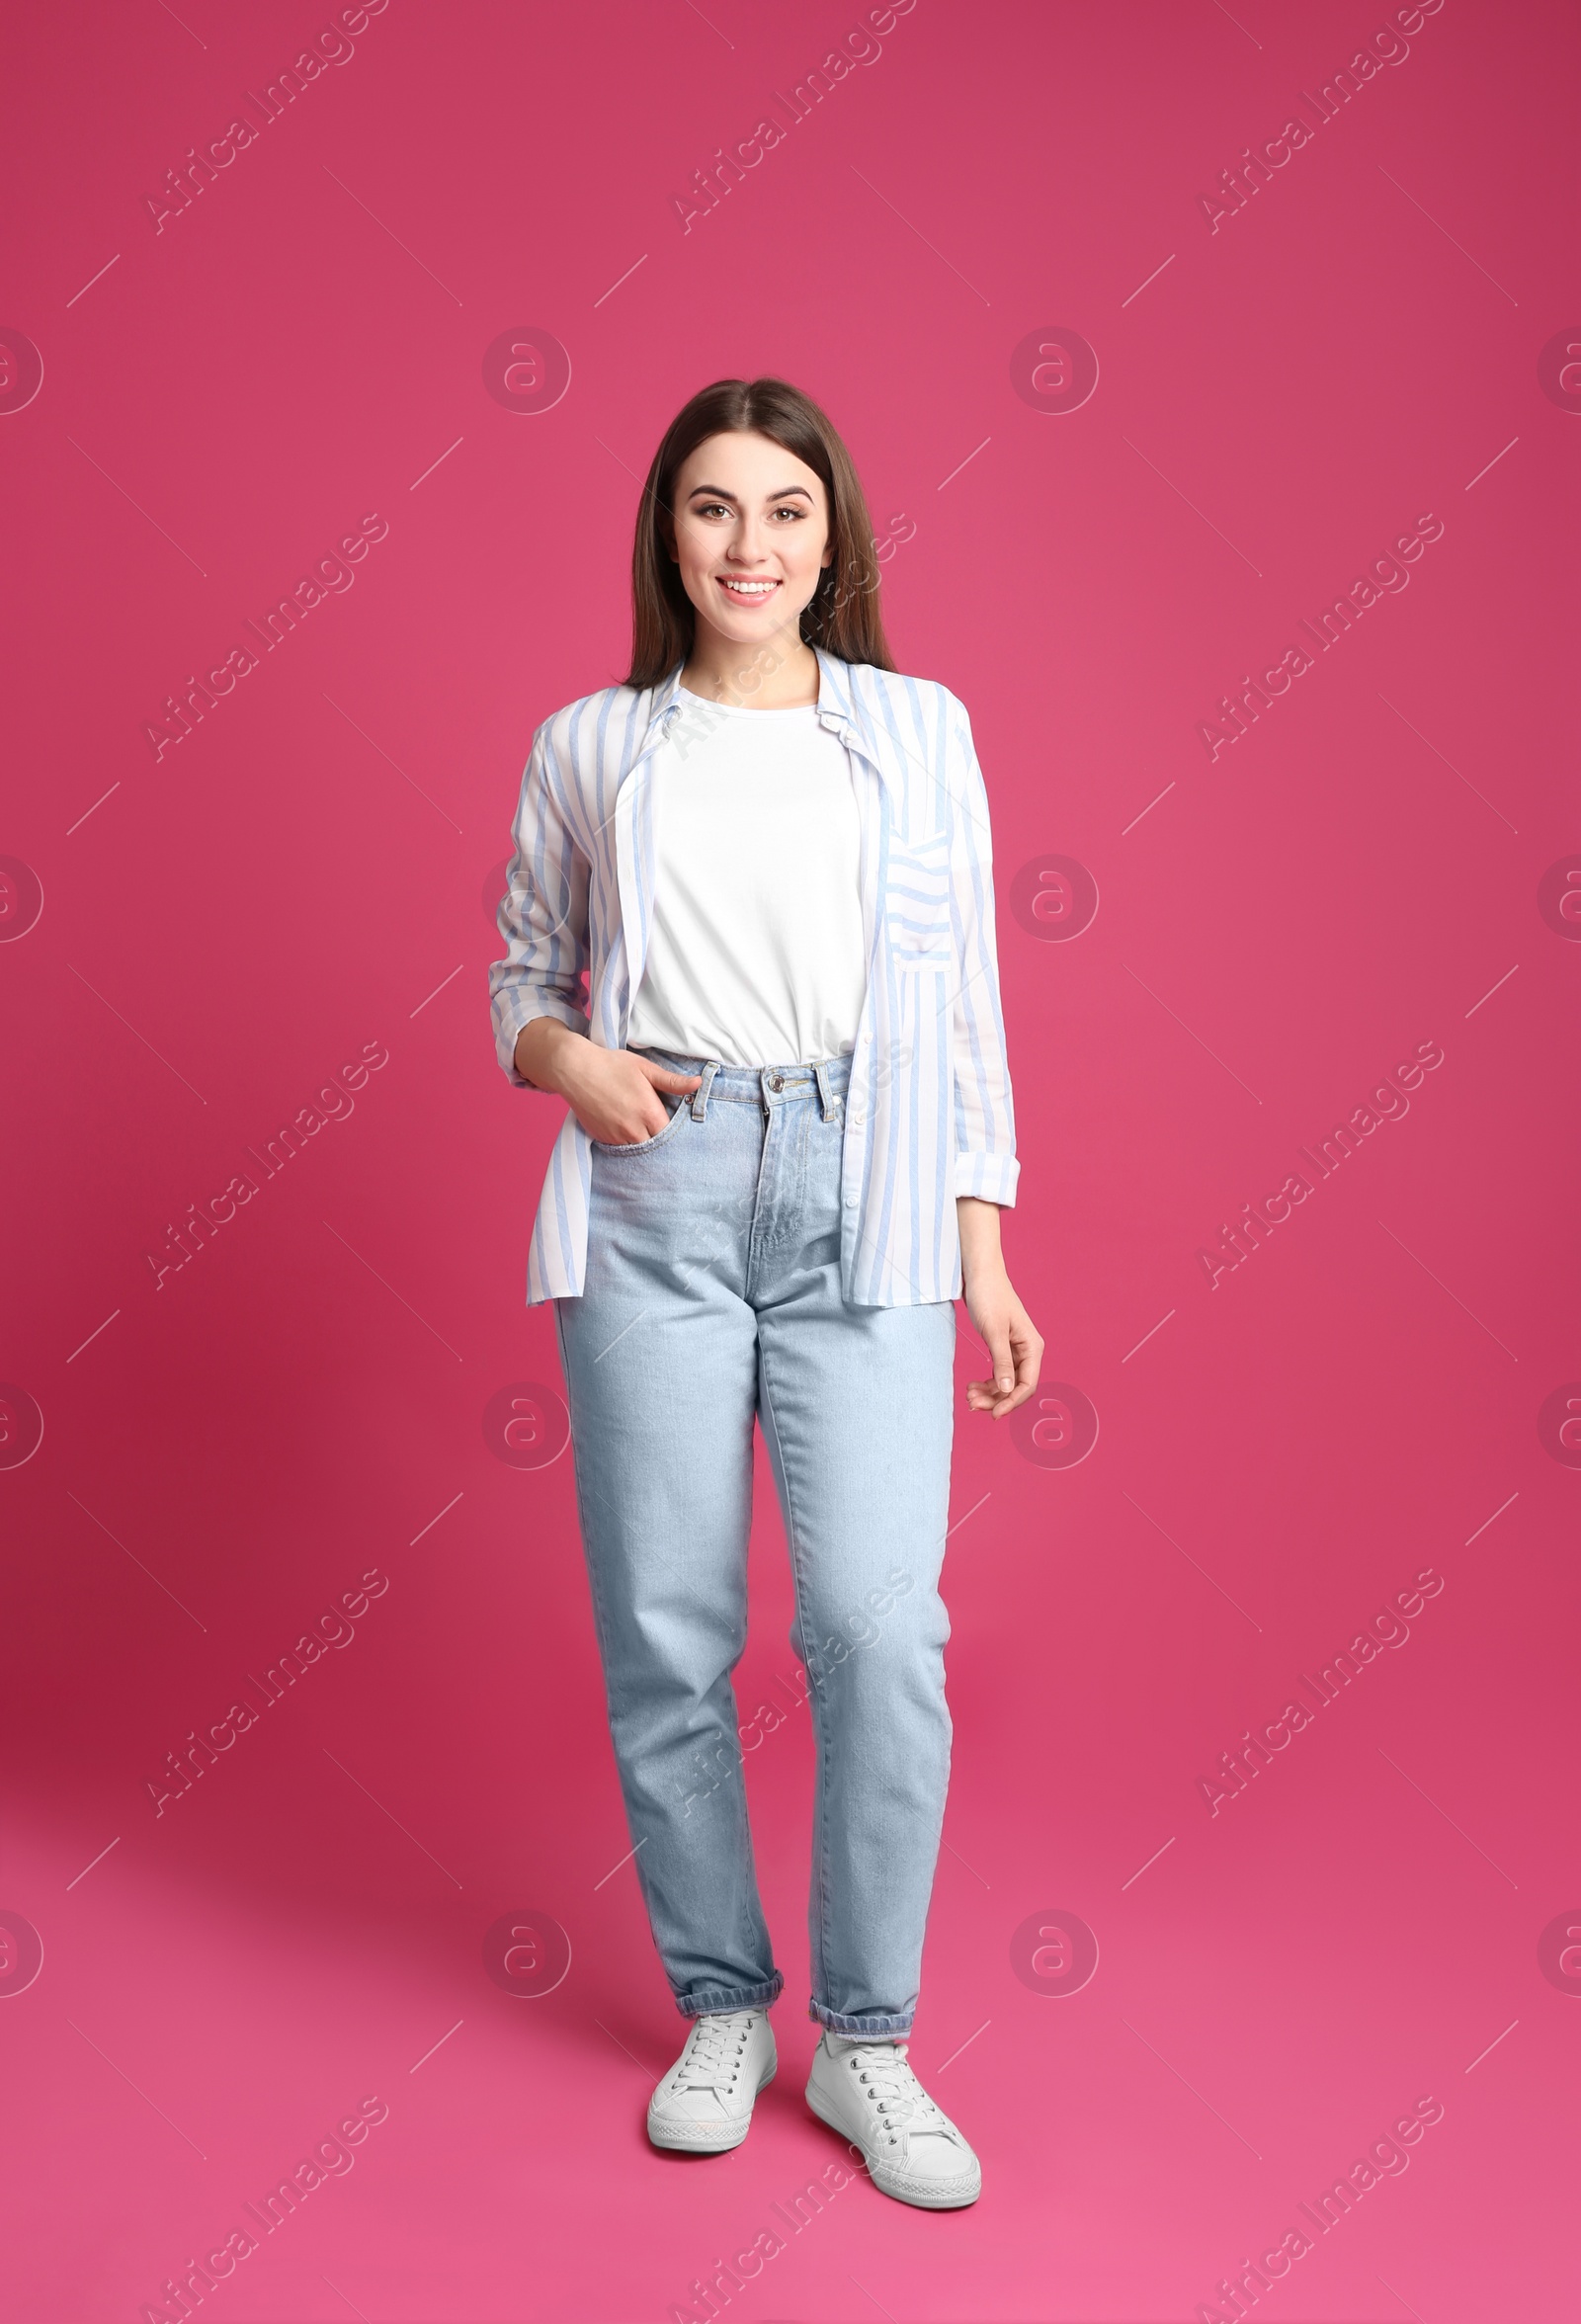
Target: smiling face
{"x": 751, "y": 537}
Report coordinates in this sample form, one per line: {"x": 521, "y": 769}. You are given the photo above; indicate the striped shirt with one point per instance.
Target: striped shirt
{"x": 929, "y": 1115}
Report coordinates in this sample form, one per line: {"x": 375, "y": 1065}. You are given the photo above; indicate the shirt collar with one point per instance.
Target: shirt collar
{"x": 666, "y": 699}
{"x": 834, "y": 691}
{"x": 837, "y": 705}
{"x": 836, "y": 709}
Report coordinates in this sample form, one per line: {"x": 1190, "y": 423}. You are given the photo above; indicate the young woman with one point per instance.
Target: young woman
{"x": 788, "y": 1142}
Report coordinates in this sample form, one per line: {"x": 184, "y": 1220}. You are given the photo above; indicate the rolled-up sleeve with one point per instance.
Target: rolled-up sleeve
{"x": 985, "y": 1121}
{"x": 543, "y": 916}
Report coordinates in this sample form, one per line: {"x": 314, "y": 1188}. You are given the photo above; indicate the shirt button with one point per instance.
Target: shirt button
{"x": 851, "y": 1202}
{"x": 854, "y": 1114}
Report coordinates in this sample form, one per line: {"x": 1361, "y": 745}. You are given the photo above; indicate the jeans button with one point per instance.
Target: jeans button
{"x": 776, "y": 1081}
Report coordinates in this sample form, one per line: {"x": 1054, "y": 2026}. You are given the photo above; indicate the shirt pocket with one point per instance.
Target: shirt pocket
{"x": 917, "y": 902}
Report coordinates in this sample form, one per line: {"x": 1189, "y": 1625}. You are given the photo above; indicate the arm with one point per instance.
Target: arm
{"x": 543, "y": 919}
{"x": 609, "y": 1091}
{"x": 541, "y": 1025}
{"x": 1015, "y": 1347}
{"x": 986, "y": 1168}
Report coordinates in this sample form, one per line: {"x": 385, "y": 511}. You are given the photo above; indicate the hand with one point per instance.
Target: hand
{"x": 614, "y": 1093}
{"x": 1015, "y": 1349}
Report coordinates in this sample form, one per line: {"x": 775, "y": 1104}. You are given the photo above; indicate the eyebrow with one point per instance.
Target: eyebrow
{"x": 716, "y": 492}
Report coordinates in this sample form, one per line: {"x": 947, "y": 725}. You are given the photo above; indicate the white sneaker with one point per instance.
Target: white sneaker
{"x": 705, "y": 2102}
{"x": 866, "y": 2091}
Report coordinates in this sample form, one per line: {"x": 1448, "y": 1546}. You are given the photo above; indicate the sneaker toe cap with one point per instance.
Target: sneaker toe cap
{"x": 930, "y": 2190}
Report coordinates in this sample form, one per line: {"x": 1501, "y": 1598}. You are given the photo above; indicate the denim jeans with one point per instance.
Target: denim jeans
{"x": 713, "y": 1297}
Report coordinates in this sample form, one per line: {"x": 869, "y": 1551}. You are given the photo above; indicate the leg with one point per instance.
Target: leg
{"x": 857, "y": 1411}
{"x": 661, "y": 1374}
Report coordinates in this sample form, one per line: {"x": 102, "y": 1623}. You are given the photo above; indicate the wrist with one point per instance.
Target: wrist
{"x": 977, "y": 1217}
{"x": 539, "y": 1057}
{"x": 978, "y": 1222}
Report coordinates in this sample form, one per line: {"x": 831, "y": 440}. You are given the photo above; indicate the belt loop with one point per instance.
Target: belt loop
{"x": 699, "y": 1097}
{"x": 831, "y": 1104}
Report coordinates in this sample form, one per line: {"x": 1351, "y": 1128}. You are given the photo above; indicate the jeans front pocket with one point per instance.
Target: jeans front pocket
{"x": 683, "y": 1108}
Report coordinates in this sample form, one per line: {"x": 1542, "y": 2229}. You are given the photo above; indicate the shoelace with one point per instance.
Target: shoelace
{"x": 898, "y": 2098}
{"x": 704, "y": 2066}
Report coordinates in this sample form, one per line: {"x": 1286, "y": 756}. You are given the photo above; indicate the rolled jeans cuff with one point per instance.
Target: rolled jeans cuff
{"x": 720, "y": 2000}
{"x": 880, "y": 2025}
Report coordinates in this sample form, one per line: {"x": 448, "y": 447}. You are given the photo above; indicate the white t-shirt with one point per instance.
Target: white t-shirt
{"x": 755, "y": 952}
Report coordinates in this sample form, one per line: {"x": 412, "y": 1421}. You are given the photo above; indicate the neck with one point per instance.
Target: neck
{"x": 780, "y": 674}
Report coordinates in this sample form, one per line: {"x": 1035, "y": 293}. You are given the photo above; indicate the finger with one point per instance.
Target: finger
{"x": 984, "y": 1396}
{"x": 645, "y": 1130}
{"x": 1028, "y": 1364}
{"x": 1001, "y": 1360}
{"x": 663, "y": 1078}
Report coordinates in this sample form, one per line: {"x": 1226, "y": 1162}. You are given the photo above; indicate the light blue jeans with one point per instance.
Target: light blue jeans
{"x": 713, "y": 1297}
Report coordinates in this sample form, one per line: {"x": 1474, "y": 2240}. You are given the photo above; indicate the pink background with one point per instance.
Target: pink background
{"x": 229, "y": 1449}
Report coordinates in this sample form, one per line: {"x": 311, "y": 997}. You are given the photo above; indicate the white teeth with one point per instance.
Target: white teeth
{"x": 750, "y": 588}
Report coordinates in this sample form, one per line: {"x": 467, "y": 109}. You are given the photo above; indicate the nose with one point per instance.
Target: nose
{"x": 747, "y": 545}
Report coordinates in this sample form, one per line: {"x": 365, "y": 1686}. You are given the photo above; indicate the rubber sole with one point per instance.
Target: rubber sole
{"x": 699, "y": 2146}
{"x": 920, "y": 2202}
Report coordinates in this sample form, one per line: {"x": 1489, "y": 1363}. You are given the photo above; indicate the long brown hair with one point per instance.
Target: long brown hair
{"x": 843, "y": 616}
